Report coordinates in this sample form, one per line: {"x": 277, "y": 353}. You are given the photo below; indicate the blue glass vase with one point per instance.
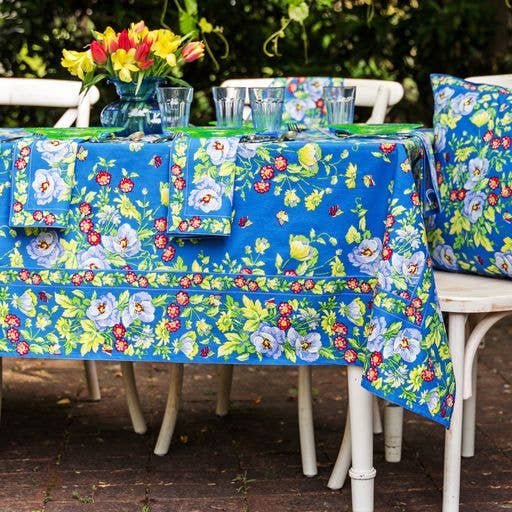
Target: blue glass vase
{"x": 136, "y": 110}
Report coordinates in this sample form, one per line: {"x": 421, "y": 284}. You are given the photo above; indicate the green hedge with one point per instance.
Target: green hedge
{"x": 394, "y": 39}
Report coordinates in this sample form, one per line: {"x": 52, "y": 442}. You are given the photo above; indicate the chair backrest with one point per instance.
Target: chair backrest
{"x": 380, "y": 95}
{"x": 500, "y": 80}
{"x": 42, "y": 92}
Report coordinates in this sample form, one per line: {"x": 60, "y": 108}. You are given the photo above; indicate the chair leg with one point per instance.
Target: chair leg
{"x": 377, "y": 421}
{"x": 340, "y": 471}
{"x": 91, "y": 377}
{"x": 225, "y": 378}
{"x": 306, "y": 425}
{"x": 393, "y": 429}
{"x": 171, "y": 409}
{"x": 469, "y": 416}
{"x": 132, "y": 398}
{"x": 453, "y": 436}
{"x": 362, "y": 472}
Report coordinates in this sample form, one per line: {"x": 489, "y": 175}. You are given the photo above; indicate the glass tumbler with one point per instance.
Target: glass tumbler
{"x": 339, "y": 104}
{"x": 174, "y": 104}
{"x": 266, "y": 107}
{"x": 229, "y": 106}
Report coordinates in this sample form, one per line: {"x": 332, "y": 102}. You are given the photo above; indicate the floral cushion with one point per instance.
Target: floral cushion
{"x": 472, "y": 129}
{"x": 303, "y": 101}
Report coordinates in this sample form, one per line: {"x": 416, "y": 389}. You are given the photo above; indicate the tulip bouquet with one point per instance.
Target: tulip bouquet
{"x": 131, "y": 55}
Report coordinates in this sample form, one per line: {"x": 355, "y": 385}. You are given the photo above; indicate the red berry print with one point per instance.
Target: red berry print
{"x": 350, "y": 356}
{"x": 131, "y": 277}
{"x": 283, "y": 322}
{"x": 103, "y": 178}
{"x": 182, "y": 298}
{"x": 161, "y": 240}
{"x": 280, "y": 163}
{"x": 285, "y": 308}
{"x": 85, "y": 225}
{"x": 85, "y": 209}
{"x": 118, "y": 330}
{"x": 23, "y": 348}
{"x": 179, "y": 183}
{"x": 173, "y": 310}
{"x": 262, "y": 187}
{"x": 121, "y": 345}
{"x": 160, "y": 224}
{"x": 126, "y": 185}
{"x": 94, "y": 238}
{"x": 267, "y": 172}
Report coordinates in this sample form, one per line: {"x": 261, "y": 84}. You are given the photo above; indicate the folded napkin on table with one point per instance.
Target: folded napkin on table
{"x": 429, "y": 190}
{"x": 427, "y": 181}
{"x": 43, "y": 175}
{"x": 201, "y": 181}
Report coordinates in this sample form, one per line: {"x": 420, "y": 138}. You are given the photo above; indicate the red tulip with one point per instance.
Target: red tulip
{"x": 99, "y": 55}
{"x": 141, "y": 55}
{"x": 124, "y": 41}
{"x": 193, "y": 51}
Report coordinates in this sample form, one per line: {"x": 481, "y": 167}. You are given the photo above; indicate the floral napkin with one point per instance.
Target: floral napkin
{"x": 201, "y": 178}
{"x": 43, "y": 175}
{"x": 429, "y": 190}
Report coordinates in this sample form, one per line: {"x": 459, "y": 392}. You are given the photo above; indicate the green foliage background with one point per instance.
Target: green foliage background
{"x": 391, "y": 39}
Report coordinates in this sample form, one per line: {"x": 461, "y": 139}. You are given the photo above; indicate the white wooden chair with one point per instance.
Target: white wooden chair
{"x": 64, "y": 94}
{"x": 473, "y": 304}
{"x": 380, "y": 95}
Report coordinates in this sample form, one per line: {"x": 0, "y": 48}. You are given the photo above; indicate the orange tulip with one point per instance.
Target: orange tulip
{"x": 193, "y": 51}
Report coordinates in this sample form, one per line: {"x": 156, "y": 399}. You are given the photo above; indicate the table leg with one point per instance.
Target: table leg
{"x": 362, "y": 472}
{"x": 453, "y": 436}
{"x": 171, "y": 409}
{"x": 306, "y": 424}
{"x": 225, "y": 378}
{"x": 377, "y": 421}
{"x": 340, "y": 471}
{"x": 91, "y": 377}
{"x": 132, "y": 398}
{"x": 393, "y": 431}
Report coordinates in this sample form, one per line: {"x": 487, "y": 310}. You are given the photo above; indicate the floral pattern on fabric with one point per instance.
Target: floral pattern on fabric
{"x": 43, "y": 175}
{"x": 327, "y": 263}
{"x": 202, "y": 175}
{"x": 473, "y": 160}
{"x": 303, "y": 102}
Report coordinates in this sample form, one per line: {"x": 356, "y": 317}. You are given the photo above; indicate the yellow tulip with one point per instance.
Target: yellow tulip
{"x": 124, "y": 62}
{"x": 108, "y": 39}
{"x": 165, "y": 45}
{"x": 138, "y": 31}
{"x": 77, "y": 63}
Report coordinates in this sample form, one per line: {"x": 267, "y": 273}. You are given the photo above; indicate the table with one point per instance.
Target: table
{"x": 326, "y": 262}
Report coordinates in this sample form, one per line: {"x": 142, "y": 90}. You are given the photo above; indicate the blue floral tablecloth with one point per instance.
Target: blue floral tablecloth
{"x": 326, "y": 261}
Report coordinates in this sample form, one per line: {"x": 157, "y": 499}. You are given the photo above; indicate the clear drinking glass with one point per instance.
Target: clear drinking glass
{"x": 174, "y": 103}
{"x": 229, "y": 106}
{"x": 339, "y": 104}
{"x": 267, "y": 107}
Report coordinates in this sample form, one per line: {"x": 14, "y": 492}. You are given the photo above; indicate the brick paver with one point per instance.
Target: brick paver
{"x": 60, "y": 453}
